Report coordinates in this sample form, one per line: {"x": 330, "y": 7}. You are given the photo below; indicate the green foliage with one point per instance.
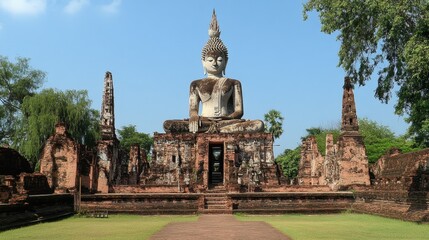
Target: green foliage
{"x": 289, "y": 162}
{"x": 391, "y": 37}
{"x": 379, "y": 139}
{"x": 274, "y": 123}
{"x": 372, "y": 131}
{"x": 17, "y": 80}
{"x": 320, "y": 135}
{"x": 129, "y": 136}
{"x": 419, "y": 131}
{"x": 413, "y": 94}
{"x": 289, "y": 159}
{"x": 43, "y": 110}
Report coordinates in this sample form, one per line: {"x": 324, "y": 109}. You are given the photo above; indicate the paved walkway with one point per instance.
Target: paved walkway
{"x": 224, "y": 227}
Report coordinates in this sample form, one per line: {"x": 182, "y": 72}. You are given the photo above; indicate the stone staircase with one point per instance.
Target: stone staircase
{"x": 216, "y": 201}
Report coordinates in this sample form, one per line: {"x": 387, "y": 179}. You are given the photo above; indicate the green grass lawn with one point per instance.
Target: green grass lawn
{"x": 115, "y": 227}
{"x": 298, "y": 227}
{"x": 344, "y": 226}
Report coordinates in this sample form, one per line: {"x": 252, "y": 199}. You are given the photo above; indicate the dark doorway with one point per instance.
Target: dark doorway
{"x": 216, "y": 164}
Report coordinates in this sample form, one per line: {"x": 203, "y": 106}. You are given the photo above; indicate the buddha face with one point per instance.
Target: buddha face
{"x": 214, "y": 64}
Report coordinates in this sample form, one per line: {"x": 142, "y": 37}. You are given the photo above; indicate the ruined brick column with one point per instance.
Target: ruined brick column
{"x": 311, "y": 164}
{"x": 108, "y": 146}
{"x": 304, "y": 172}
{"x": 134, "y": 164}
{"x": 59, "y": 161}
{"x": 353, "y": 162}
{"x": 331, "y": 164}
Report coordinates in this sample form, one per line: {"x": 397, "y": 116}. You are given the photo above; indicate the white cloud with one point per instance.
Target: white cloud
{"x": 75, "y": 6}
{"x": 112, "y": 7}
{"x": 23, "y": 7}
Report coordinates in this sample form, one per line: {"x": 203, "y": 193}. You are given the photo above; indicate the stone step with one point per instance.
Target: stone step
{"x": 215, "y": 201}
{"x": 215, "y": 204}
{"x": 216, "y": 207}
{"x": 217, "y": 189}
{"x": 216, "y": 185}
{"x": 215, "y": 192}
{"x": 218, "y": 202}
{"x": 216, "y": 197}
{"x": 217, "y": 211}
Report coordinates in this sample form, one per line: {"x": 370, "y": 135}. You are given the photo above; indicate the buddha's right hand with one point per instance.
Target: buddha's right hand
{"x": 193, "y": 124}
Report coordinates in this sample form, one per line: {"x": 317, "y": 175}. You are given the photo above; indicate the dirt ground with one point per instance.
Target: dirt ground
{"x": 224, "y": 227}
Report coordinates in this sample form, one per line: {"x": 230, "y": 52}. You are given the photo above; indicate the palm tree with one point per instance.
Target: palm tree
{"x": 273, "y": 123}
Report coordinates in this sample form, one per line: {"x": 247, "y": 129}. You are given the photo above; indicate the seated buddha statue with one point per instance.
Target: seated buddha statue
{"x": 221, "y": 98}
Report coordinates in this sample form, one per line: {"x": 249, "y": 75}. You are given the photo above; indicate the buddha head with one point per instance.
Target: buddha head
{"x": 214, "y": 54}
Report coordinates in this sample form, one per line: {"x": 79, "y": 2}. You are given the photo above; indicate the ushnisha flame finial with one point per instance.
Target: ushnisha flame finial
{"x": 214, "y": 30}
{"x": 214, "y": 44}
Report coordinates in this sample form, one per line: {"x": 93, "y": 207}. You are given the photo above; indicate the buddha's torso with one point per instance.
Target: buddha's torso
{"x": 216, "y": 96}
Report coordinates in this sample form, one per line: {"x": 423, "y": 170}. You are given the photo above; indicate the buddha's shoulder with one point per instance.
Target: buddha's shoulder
{"x": 210, "y": 81}
{"x": 234, "y": 81}
{"x": 196, "y": 82}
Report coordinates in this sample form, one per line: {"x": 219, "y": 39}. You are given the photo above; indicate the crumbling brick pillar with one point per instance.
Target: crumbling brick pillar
{"x": 108, "y": 165}
{"x": 331, "y": 168}
{"x": 134, "y": 165}
{"x": 59, "y": 160}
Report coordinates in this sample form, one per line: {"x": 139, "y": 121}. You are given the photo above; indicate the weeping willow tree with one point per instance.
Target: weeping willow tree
{"x": 42, "y": 111}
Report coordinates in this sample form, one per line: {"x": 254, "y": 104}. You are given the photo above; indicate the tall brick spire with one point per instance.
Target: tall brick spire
{"x": 349, "y": 120}
{"x": 107, "y": 110}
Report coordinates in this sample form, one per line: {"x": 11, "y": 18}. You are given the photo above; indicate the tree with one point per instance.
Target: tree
{"x": 289, "y": 159}
{"x": 273, "y": 123}
{"x": 17, "y": 81}
{"x": 379, "y": 139}
{"x": 390, "y": 37}
{"x": 129, "y": 136}
{"x": 43, "y": 110}
{"x": 320, "y": 135}
{"x": 289, "y": 162}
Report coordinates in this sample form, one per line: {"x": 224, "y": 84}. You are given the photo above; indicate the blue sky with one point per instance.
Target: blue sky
{"x": 153, "y": 49}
